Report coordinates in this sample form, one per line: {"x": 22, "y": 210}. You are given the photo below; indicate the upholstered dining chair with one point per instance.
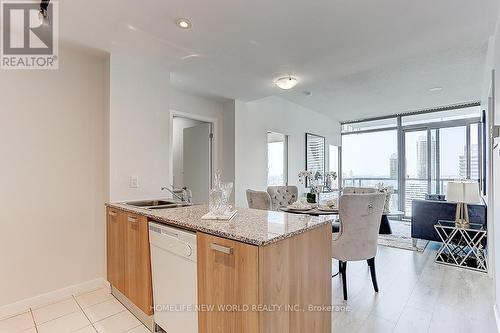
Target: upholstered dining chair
{"x": 282, "y": 196}
{"x": 359, "y": 190}
{"x": 259, "y": 200}
{"x": 360, "y": 216}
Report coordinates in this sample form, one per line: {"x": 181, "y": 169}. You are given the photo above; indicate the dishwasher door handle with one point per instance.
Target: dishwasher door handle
{"x": 220, "y": 248}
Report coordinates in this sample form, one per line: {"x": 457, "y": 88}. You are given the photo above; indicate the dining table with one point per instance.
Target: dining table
{"x": 314, "y": 211}
{"x": 385, "y": 227}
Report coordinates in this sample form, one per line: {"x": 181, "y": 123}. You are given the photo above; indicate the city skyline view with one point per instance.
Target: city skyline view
{"x": 369, "y": 159}
{"x": 371, "y": 155}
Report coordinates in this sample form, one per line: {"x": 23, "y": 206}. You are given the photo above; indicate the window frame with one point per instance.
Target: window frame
{"x": 433, "y": 125}
{"x": 285, "y": 158}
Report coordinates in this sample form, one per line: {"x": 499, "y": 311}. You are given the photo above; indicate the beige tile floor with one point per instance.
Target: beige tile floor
{"x": 416, "y": 295}
{"x": 95, "y": 311}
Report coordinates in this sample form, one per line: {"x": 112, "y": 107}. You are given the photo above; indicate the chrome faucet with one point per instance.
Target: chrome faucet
{"x": 186, "y": 196}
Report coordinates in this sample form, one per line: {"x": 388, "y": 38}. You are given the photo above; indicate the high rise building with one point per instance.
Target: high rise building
{"x": 414, "y": 189}
{"x": 474, "y": 163}
{"x": 422, "y": 153}
{"x": 393, "y": 166}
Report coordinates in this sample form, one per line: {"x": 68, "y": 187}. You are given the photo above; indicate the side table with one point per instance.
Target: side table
{"x": 462, "y": 247}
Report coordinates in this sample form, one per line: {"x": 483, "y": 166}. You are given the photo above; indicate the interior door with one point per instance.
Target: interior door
{"x": 197, "y": 161}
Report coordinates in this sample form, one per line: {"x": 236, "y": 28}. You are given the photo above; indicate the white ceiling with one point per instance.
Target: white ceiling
{"x": 358, "y": 58}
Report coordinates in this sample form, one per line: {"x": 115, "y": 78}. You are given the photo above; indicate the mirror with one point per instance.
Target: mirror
{"x": 315, "y": 155}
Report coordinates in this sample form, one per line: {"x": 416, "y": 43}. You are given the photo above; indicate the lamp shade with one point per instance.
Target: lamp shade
{"x": 471, "y": 193}
{"x": 454, "y": 192}
{"x": 462, "y": 191}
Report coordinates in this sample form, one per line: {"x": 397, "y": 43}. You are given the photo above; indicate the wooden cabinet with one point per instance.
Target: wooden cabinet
{"x": 128, "y": 257}
{"x": 138, "y": 263}
{"x": 115, "y": 247}
{"x": 293, "y": 274}
{"x": 239, "y": 285}
{"x": 227, "y": 276}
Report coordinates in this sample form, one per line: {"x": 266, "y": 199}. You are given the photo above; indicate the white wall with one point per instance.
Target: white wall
{"x": 178, "y": 126}
{"x": 254, "y": 119}
{"x": 493, "y": 62}
{"x": 228, "y": 144}
{"x": 52, "y": 175}
{"x": 207, "y": 109}
{"x": 139, "y": 127}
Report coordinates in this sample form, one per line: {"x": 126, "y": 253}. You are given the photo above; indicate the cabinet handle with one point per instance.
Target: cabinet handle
{"x": 111, "y": 213}
{"x": 220, "y": 248}
{"x": 132, "y": 219}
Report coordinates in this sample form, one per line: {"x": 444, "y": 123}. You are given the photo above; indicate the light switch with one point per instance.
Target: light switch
{"x": 134, "y": 182}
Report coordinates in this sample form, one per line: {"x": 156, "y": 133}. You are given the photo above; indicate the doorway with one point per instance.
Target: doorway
{"x": 192, "y": 156}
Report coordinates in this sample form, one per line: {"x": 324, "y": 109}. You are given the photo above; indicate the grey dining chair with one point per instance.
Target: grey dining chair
{"x": 360, "y": 216}
{"x": 358, "y": 190}
{"x": 282, "y": 196}
{"x": 259, "y": 200}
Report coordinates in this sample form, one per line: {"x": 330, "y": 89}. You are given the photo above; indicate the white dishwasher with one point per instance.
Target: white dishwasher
{"x": 173, "y": 265}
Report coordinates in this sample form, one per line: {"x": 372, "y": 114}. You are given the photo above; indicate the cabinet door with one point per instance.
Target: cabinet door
{"x": 115, "y": 246}
{"x": 138, "y": 285}
{"x": 227, "y": 276}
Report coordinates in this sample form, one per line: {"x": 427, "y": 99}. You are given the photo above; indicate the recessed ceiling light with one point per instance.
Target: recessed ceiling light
{"x": 286, "y": 82}
{"x": 435, "y": 89}
{"x": 183, "y": 23}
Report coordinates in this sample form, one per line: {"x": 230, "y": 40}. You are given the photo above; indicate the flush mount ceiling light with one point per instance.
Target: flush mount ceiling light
{"x": 433, "y": 89}
{"x": 286, "y": 82}
{"x": 183, "y": 23}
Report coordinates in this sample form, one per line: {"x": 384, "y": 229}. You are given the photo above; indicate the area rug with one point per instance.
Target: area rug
{"x": 401, "y": 237}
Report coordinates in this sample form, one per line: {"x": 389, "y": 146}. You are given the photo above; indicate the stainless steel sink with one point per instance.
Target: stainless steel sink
{"x": 155, "y": 204}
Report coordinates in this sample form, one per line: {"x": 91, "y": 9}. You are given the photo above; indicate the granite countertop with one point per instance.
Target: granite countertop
{"x": 251, "y": 226}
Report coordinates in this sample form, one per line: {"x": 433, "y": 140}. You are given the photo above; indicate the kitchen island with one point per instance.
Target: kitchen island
{"x": 273, "y": 273}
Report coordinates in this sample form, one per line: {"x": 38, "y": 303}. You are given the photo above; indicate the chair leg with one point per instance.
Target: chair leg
{"x": 338, "y": 272}
{"x": 371, "y": 264}
{"x": 344, "y": 278}
{"x": 340, "y": 267}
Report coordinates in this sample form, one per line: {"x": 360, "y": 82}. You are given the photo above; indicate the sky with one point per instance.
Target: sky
{"x": 369, "y": 154}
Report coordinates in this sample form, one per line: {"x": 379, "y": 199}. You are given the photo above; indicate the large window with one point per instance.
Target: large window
{"x": 417, "y": 154}
{"x": 277, "y": 159}
{"x": 370, "y": 159}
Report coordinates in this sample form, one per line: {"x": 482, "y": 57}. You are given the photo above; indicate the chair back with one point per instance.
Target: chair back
{"x": 258, "y": 200}
{"x": 359, "y": 190}
{"x": 282, "y": 196}
{"x": 360, "y": 216}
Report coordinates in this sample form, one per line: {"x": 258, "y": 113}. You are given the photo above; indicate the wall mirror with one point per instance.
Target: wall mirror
{"x": 315, "y": 155}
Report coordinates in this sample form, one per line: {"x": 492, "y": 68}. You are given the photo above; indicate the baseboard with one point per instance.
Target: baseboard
{"x": 497, "y": 317}
{"x": 50, "y": 297}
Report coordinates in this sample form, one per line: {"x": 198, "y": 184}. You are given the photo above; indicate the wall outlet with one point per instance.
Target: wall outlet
{"x": 134, "y": 182}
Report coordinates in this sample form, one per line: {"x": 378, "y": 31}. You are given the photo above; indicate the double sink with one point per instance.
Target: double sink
{"x": 156, "y": 204}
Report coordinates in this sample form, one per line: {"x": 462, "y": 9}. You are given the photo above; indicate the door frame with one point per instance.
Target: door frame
{"x": 429, "y": 127}
{"x": 214, "y": 144}
{"x": 402, "y": 152}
